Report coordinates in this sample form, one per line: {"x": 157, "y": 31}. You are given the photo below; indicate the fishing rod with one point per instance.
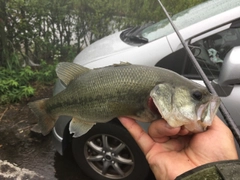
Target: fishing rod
{"x": 230, "y": 122}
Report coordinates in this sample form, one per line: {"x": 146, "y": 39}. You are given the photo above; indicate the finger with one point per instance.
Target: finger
{"x": 161, "y": 132}
{"x": 144, "y": 141}
{"x": 184, "y": 131}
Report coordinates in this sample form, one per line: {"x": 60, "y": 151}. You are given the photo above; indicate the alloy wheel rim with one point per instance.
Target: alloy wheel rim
{"x": 109, "y": 156}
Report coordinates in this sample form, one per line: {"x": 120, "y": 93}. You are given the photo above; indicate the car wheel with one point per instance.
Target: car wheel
{"x": 109, "y": 152}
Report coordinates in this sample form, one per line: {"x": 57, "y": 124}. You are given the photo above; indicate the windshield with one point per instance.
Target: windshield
{"x": 188, "y": 17}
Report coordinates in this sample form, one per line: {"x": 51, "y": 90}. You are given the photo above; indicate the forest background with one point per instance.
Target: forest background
{"x": 37, "y": 34}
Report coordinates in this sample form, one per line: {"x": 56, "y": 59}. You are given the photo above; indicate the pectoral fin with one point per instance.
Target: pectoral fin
{"x": 78, "y": 127}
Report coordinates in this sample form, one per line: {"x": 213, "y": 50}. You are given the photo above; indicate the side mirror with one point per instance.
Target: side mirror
{"x": 230, "y": 72}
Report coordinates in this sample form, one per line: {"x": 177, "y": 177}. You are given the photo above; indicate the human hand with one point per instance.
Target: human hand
{"x": 173, "y": 151}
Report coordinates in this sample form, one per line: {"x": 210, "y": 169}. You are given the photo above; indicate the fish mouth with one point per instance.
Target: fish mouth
{"x": 206, "y": 112}
{"x": 153, "y": 107}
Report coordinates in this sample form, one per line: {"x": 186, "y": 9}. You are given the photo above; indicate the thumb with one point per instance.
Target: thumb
{"x": 144, "y": 141}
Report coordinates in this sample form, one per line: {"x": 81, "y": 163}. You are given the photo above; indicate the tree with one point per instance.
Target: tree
{"x": 43, "y": 29}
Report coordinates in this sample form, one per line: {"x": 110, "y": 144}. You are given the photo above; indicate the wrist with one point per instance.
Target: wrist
{"x": 217, "y": 170}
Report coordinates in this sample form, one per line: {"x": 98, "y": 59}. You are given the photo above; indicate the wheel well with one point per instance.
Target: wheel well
{"x": 67, "y": 140}
{"x": 67, "y": 137}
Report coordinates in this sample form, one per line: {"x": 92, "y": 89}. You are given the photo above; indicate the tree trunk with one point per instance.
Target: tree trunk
{"x": 3, "y": 35}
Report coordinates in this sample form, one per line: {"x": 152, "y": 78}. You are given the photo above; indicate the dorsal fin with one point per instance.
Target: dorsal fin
{"x": 115, "y": 65}
{"x": 122, "y": 64}
{"x": 67, "y": 71}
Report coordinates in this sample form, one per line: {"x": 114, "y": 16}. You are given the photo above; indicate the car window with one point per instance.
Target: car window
{"x": 175, "y": 61}
{"x": 209, "y": 51}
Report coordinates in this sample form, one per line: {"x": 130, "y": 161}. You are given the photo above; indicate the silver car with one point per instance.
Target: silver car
{"x": 212, "y": 31}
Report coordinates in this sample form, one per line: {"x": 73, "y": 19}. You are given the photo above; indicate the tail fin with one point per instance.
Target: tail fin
{"x": 45, "y": 121}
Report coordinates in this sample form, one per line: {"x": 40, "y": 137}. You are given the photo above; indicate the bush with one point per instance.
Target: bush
{"x": 18, "y": 84}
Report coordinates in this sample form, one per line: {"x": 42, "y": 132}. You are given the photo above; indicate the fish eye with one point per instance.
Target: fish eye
{"x": 197, "y": 95}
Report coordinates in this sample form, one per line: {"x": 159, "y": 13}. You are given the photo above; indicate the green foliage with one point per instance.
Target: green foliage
{"x": 16, "y": 85}
{"x": 46, "y": 74}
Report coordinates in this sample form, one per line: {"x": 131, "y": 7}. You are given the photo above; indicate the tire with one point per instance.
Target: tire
{"x": 108, "y": 152}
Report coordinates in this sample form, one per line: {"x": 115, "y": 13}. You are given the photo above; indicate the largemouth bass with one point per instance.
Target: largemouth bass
{"x": 140, "y": 92}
